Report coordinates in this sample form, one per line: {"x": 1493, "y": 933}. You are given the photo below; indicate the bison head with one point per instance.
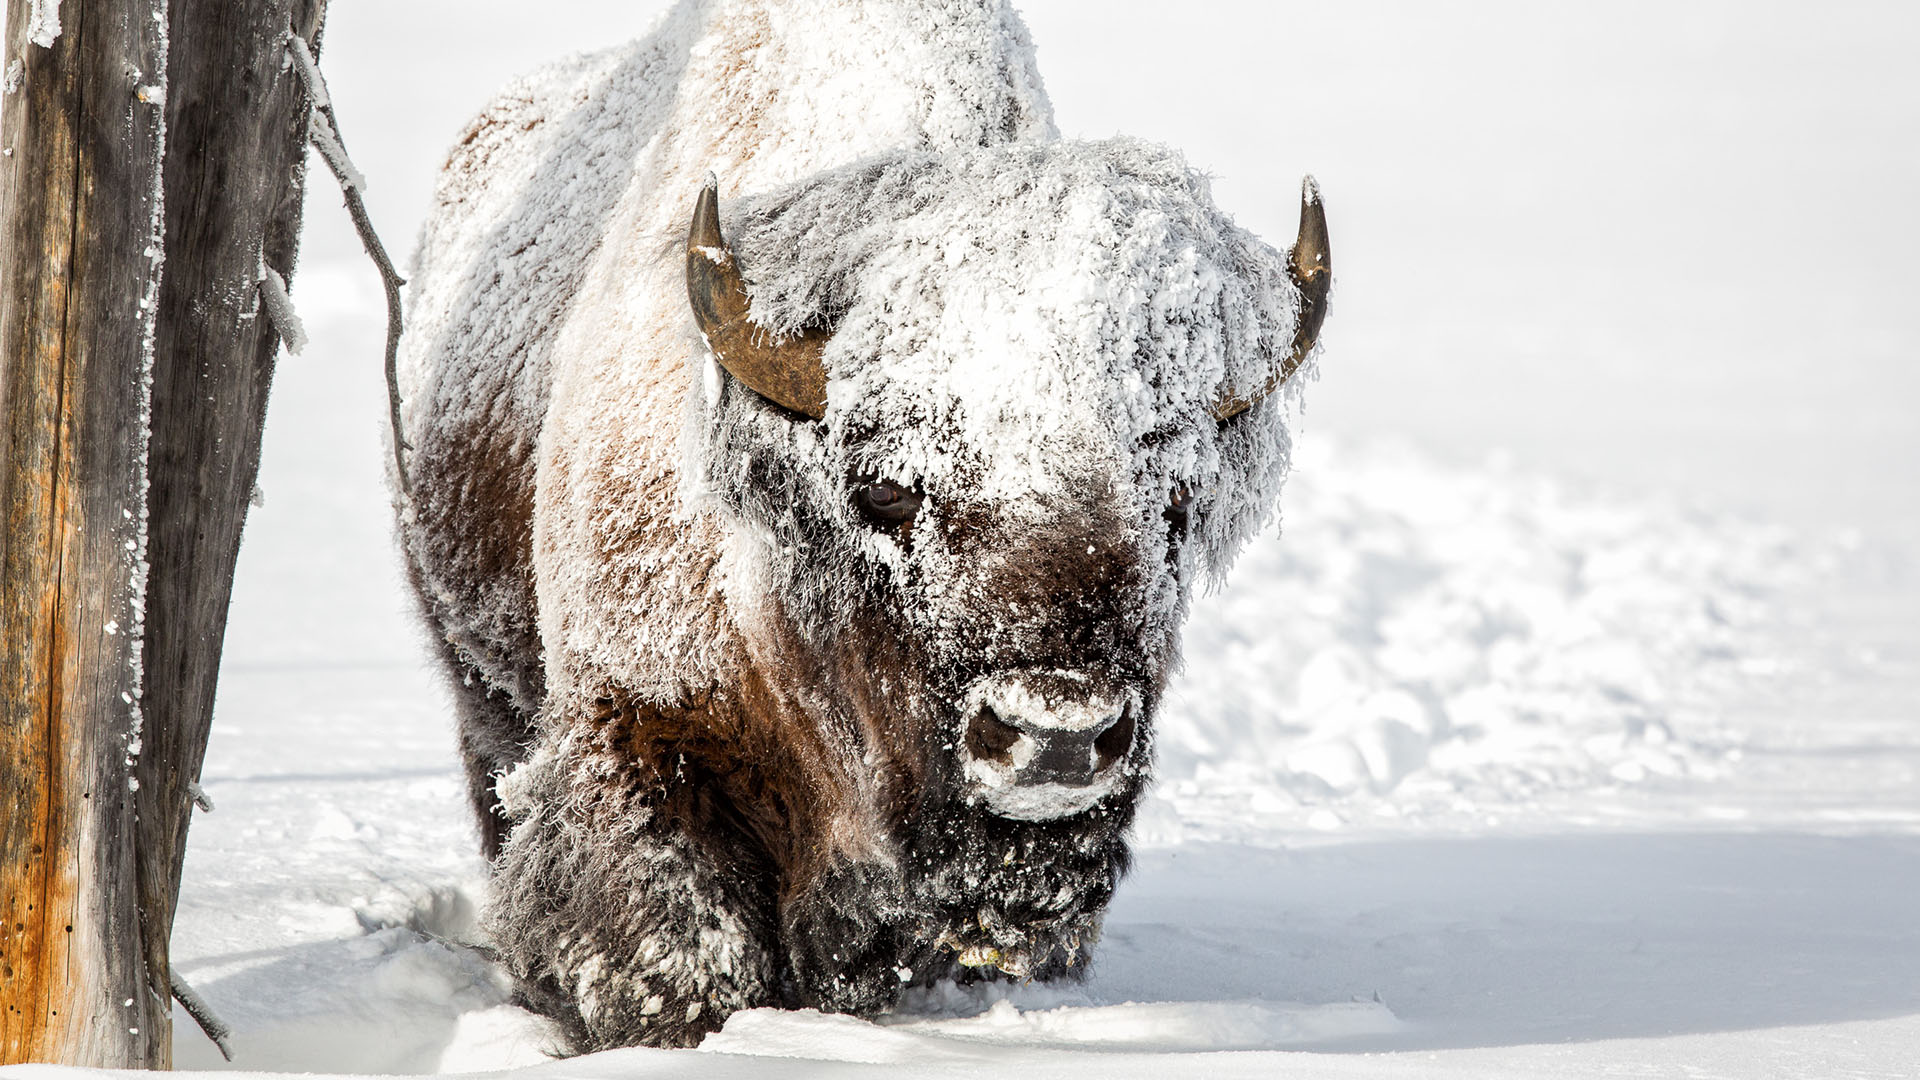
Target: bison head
{"x": 999, "y": 422}
{"x": 978, "y": 425}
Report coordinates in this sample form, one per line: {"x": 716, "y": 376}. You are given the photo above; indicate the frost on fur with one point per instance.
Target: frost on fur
{"x": 763, "y": 743}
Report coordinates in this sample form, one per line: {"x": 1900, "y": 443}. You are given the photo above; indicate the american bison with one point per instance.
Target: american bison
{"x": 811, "y": 458}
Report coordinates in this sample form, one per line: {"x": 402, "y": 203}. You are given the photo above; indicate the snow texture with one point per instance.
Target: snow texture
{"x": 320, "y": 127}
{"x": 1742, "y": 880}
{"x": 1475, "y": 637}
{"x": 43, "y": 23}
{"x": 564, "y": 210}
{"x": 1080, "y": 305}
{"x": 279, "y": 307}
{"x": 310, "y": 75}
{"x": 327, "y": 140}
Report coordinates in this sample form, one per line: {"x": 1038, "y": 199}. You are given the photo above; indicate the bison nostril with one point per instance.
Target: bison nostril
{"x": 1113, "y": 743}
{"x": 989, "y": 738}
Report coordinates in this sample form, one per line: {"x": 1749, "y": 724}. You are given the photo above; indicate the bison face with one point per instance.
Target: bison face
{"x": 1042, "y": 629}
{"x": 968, "y": 443}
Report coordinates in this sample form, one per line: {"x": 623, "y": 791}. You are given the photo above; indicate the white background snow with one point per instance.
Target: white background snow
{"x": 1571, "y": 728}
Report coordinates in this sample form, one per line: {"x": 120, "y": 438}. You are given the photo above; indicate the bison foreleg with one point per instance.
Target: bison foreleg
{"x": 844, "y": 934}
{"x": 616, "y": 923}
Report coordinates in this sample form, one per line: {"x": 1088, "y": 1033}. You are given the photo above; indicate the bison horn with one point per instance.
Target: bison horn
{"x": 788, "y": 372}
{"x": 1311, "y": 267}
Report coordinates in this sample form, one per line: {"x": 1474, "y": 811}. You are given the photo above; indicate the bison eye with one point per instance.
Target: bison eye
{"x": 1176, "y": 513}
{"x": 887, "y": 503}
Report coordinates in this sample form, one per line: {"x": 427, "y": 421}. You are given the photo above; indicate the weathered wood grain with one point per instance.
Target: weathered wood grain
{"x": 76, "y": 221}
{"x": 108, "y": 466}
{"x": 236, "y": 158}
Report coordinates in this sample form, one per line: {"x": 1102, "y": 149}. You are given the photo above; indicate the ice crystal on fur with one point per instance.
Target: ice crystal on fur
{"x": 736, "y": 711}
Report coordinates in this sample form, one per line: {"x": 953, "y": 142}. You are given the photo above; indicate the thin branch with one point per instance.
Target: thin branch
{"x": 215, "y": 1028}
{"x": 315, "y": 82}
{"x": 333, "y": 150}
{"x": 326, "y": 139}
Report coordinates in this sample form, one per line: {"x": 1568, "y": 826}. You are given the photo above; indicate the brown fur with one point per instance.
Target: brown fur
{"x": 715, "y": 721}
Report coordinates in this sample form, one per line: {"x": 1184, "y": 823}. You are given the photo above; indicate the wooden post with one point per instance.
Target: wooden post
{"x": 78, "y": 220}
{"x": 236, "y": 161}
{"x": 134, "y": 383}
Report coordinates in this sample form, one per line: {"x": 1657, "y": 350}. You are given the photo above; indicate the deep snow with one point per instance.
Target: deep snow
{"x": 1570, "y": 727}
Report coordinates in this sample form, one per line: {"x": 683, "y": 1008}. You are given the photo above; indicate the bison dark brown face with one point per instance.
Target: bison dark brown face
{"x": 1058, "y": 648}
{"x": 976, "y": 502}
{"x": 1004, "y": 651}
{"x": 1037, "y": 743}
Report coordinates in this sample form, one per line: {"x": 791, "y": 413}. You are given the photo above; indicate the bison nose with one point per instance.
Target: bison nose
{"x": 1041, "y": 750}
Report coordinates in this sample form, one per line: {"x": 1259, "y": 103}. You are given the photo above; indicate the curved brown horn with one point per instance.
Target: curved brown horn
{"x": 1311, "y": 267}
{"x": 786, "y": 372}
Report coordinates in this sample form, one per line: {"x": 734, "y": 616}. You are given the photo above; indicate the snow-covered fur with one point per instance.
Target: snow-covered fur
{"x": 714, "y": 714}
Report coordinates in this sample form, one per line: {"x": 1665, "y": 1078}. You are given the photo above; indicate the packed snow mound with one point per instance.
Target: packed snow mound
{"x": 955, "y": 1027}
{"x": 1426, "y": 640}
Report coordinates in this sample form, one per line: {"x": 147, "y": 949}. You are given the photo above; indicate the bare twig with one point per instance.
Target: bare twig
{"x": 202, "y": 1013}
{"x": 333, "y": 150}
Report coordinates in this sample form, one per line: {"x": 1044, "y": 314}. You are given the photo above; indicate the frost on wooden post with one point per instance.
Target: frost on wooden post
{"x": 279, "y": 306}
{"x": 43, "y": 23}
{"x": 154, "y": 95}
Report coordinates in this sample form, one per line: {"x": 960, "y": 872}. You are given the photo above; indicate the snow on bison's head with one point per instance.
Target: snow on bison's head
{"x": 990, "y": 418}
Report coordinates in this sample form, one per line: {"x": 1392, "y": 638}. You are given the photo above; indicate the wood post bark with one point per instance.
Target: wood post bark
{"x": 79, "y": 198}
{"x": 236, "y": 158}
{"x": 151, "y": 162}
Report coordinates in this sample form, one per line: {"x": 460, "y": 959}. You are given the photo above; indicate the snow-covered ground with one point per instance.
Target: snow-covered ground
{"x": 1572, "y": 726}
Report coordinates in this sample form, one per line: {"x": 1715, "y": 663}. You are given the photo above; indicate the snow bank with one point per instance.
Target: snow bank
{"x": 1424, "y": 641}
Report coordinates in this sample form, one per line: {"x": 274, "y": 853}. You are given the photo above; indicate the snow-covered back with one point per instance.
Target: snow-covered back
{"x": 1015, "y": 316}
